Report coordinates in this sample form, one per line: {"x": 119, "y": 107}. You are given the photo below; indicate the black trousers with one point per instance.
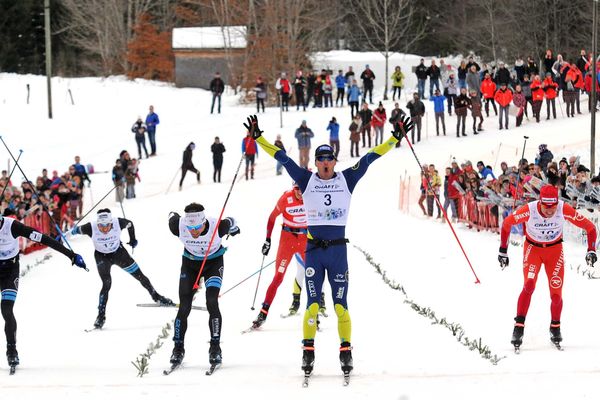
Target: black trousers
{"x": 213, "y": 277}
{"x": 122, "y": 259}
{"x": 9, "y": 285}
{"x": 185, "y": 169}
{"x": 217, "y": 164}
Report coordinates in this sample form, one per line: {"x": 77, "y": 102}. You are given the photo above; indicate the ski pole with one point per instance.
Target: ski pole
{"x": 218, "y": 222}
{"x": 34, "y": 191}
{"x": 172, "y": 180}
{"x": 442, "y": 209}
{"x": 258, "y": 282}
{"x": 10, "y": 175}
{"x": 519, "y": 171}
{"x": 245, "y": 279}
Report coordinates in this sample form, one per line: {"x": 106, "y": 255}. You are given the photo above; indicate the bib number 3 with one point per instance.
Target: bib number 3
{"x": 327, "y": 200}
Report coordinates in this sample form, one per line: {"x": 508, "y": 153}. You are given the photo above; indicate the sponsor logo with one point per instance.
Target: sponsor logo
{"x": 545, "y": 225}
{"x": 310, "y": 272}
{"x": 311, "y": 321}
{"x": 17, "y": 283}
{"x": 311, "y": 289}
{"x": 281, "y": 269}
{"x": 531, "y": 275}
{"x": 295, "y": 210}
{"x": 321, "y": 187}
{"x": 340, "y": 293}
{"x": 35, "y": 236}
{"x": 290, "y": 200}
{"x": 555, "y": 282}
{"x": 339, "y": 278}
{"x": 521, "y": 216}
{"x": 355, "y": 166}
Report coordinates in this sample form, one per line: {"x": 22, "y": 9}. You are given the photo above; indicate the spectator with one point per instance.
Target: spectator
{"x": 421, "y": 72}
{"x": 311, "y": 82}
{"x": 217, "y": 149}
{"x": 451, "y": 194}
{"x": 549, "y": 61}
{"x": 303, "y": 135}
{"x": 526, "y": 88}
{"x": 334, "y": 138}
{"x": 355, "y": 136}
{"x": 532, "y": 67}
{"x": 280, "y": 145}
{"x": 299, "y": 85}
{"x": 445, "y": 71}
{"x": 520, "y": 68}
{"x": 367, "y": 77}
{"x": 476, "y": 112}
{"x": 438, "y": 108}
{"x": 340, "y": 84}
{"x": 328, "y": 91}
{"x": 187, "y": 164}
{"x": 250, "y": 152}
{"x": 519, "y": 102}
{"x": 473, "y": 80}
{"x": 473, "y": 63}
{"x": 582, "y": 61}
{"x": 462, "y": 75}
{"x": 118, "y": 178}
{"x": 416, "y": 108}
{"x": 318, "y": 92}
{"x": 570, "y": 88}
{"x": 537, "y": 93}
{"x": 433, "y": 71}
{"x": 366, "y": 115}
{"x": 81, "y": 171}
{"x": 283, "y": 86}
{"x": 502, "y": 75}
{"x": 130, "y": 176}
{"x": 139, "y": 129}
{"x": 261, "y": 93}
{"x": 450, "y": 90}
{"x": 485, "y": 171}
{"x": 550, "y": 88}
{"x": 462, "y": 104}
{"x": 397, "y": 113}
{"x": 151, "y": 122}
{"x": 350, "y": 79}
{"x": 504, "y": 97}
{"x": 423, "y": 188}
{"x": 488, "y": 89}
{"x": 378, "y": 121}
{"x": 353, "y": 98}
{"x": 217, "y": 87}
{"x": 544, "y": 157}
{"x": 433, "y": 192}
{"x": 397, "y": 82}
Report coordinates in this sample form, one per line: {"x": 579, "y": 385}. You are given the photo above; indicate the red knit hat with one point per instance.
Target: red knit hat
{"x": 549, "y": 195}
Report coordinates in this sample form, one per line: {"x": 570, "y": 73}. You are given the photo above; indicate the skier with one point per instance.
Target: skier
{"x": 105, "y": 233}
{"x": 195, "y": 231}
{"x": 327, "y": 197}
{"x": 291, "y": 242}
{"x": 544, "y": 220}
{"x": 10, "y": 231}
{"x": 187, "y": 164}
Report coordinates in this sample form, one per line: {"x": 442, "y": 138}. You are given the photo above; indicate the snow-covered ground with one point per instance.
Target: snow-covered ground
{"x": 398, "y": 354}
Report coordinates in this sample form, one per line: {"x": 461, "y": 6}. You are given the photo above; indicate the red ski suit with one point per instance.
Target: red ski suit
{"x": 292, "y": 240}
{"x": 543, "y": 245}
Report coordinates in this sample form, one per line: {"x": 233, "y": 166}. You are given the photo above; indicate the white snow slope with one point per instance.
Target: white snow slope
{"x": 398, "y": 354}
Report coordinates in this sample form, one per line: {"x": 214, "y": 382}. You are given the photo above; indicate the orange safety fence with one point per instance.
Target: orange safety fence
{"x": 41, "y": 222}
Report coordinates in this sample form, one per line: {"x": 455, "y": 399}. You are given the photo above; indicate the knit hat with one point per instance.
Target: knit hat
{"x": 549, "y": 195}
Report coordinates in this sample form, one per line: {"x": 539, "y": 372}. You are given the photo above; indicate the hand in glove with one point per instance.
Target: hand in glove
{"x": 591, "y": 258}
{"x": 266, "y": 246}
{"x": 502, "y": 258}
{"x": 234, "y": 230}
{"x": 75, "y": 231}
{"x": 133, "y": 243}
{"x": 78, "y": 260}
{"x": 252, "y": 127}
{"x": 402, "y": 127}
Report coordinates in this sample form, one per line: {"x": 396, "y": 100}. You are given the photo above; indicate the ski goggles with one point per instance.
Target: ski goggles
{"x": 194, "y": 227}
{"x": 325, "y": 158}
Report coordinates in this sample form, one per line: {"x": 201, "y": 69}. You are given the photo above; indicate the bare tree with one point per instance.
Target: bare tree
{"x": 386, "y": 25}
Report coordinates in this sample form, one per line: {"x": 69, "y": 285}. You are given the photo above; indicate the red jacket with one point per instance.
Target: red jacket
{"x": 550, "y": 88}
{"x": 574, "y": 75}
{"x": 537, "y": 93}
{"x": 488, "y": 88}
{"x": 503, "y": 97}
{"x": 379, "y": 118}
{"x": 587, "y": 83}
{"x": 453, "y": 192}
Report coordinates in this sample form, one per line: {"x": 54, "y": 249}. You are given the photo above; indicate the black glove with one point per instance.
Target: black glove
{"x": 266, "y": 246}
{"x": 402, "y": 127}
{"x": 234, "y": 230}
{"x": 78, "y": 260}
{"x": 252, "y": 127}
{"x": 133, "y": 243}
{"x": 591, "y": 258}
{"x": 502, "y": 257}
{"x": 174, "y": 214}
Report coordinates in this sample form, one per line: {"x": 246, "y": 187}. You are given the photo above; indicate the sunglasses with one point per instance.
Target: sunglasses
{"x": 325, "y": 158}
{"x": 194, "y": 227}
{"x": 107, "y": 225}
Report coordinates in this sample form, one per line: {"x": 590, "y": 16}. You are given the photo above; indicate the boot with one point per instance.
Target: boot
{"x": 100, "y": 319}
{"x": 214, "y": 353}
{"x": 178, "y": 353}
{"x": 308, "y": 355}
{"x": 260, "y": 320}
{"x": 518, "y": 331}
{"x": 163, "y": 301}
{"x": 295, "y": 304}
{"x": 555, "y": 336}
{"x": 12, "y": 355}
{"x": 346, "y": 357}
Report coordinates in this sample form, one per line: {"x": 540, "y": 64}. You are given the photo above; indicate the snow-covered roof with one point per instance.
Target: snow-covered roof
{"x": 210, "y": 37}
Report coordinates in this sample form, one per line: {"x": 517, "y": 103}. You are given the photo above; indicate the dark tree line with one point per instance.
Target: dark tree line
{"x": 94, "y": 36}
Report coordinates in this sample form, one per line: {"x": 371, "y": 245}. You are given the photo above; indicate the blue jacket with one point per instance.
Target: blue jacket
{"x": 303, "y": 134}
{"x": 151, "y": 122}
{"x": 438, "y": 103}
{"x": 487, "y": 171}
{"x": 354, "y": 93}
{"x": 340, "y": 81}
{"x": 334, "y": 130}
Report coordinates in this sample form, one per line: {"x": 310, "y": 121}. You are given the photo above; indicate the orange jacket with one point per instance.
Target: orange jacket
{"x": 503, "y": 97}
{"x": 574, "y": 75}
{"x": 550, "y": 88}
{"x": 536, "y": 91}
{"x": 488, "y": 88}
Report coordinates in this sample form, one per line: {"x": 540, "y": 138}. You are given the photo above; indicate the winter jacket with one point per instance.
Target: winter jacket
{"x": 537, "y": 92}
{"x": 261, "y": 90}
{"x": 416, "y": 108}
{"x": 151, "y": 122}
{"x": 354, "y": 132}
{"x": 283, "y": 85}
{"x": 354, "y": 93}
{"x": 532, "y": 69}
{"x": 334, "y": 131}
{"x": 461, "y": 104}
{"x": 453, "y": 192}
{"x": 398, "y": 79}
{"x": 217, "y": 149}
{"x": 438, "y": 103}
{"x": 544, "y": 158}
{"x": 139, "y": 128}
{"x": 473, "y": 81}
{"x": 217, "y": 86}
{"x": 365, "y": 116}
{"x": 548, "y": 63}
{"x": 502, "y": 76}
{"x": 574, "y": 75}
{"x": 549, "y": 87}
{"x": 299, "y": 84}
{"x": 488, "y": 88}
{"x": 327, "y": 86}
{"x": 581, "y": 63}
{"x": 503, "y": 97}
{"x": 519, "y": 100}
{"x": 526, "y": 89}
{"x": 520, "y": 69}
{"x": 304, "y": 134}
{"x": 379, "y": 117}
{"x": 462, "y": 72}
{"x": 340, "y": 82}
{"x": 367, "y": 77}
{"x": 476, "y": 106}
{"x": 434, "y": 72}
{"x": 249, "y": 146}
{"x": 451, "y": 86}
{"x": 421, "y": 71}
{"x": 187, "y": 157}
{"x": 471, "y": 63}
